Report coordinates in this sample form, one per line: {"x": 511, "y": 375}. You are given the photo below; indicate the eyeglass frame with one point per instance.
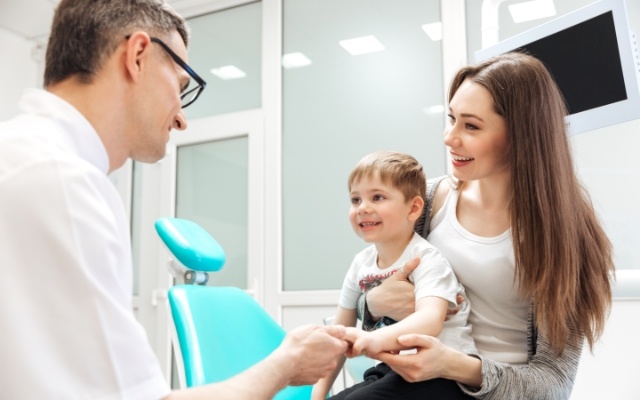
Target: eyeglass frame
{"x": 201, "y": 83}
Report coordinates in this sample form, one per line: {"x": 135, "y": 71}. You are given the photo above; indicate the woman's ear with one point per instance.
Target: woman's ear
{"x": 417, "y": 204}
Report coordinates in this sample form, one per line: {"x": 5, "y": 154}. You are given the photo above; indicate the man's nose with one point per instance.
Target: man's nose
{"x": 180, "y": 121}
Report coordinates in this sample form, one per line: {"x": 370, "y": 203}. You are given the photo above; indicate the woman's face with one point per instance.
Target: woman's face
{"x": 476, "y": 135}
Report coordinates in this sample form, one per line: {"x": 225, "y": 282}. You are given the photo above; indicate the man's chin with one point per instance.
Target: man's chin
{"x": 150, "y": 158}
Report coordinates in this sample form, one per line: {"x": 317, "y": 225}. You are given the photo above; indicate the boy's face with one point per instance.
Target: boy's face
{"x": 379, "y": 212}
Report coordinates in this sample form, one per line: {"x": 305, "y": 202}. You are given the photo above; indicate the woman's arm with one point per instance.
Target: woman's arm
{"x": 394, "y": 298}
{"x": 433, "y": 360}
{"x": 427, "y": 320}
{"x": 546, "y": 376}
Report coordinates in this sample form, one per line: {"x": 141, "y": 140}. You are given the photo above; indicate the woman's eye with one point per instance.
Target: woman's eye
{"x": 471, "y": 127}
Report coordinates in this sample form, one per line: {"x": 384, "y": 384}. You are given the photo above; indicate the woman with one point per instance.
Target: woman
{"x": 521, "y": 235}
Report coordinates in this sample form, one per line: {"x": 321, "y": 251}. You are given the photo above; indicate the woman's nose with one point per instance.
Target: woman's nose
{"x": 451, "y": 138}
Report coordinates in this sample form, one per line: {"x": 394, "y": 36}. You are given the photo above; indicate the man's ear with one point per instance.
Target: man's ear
{"x": 137, "y": 52}
{"x": 417, "y": 205}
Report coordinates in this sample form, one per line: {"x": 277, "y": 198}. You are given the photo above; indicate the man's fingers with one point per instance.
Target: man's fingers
{"x": 337, "y": 331}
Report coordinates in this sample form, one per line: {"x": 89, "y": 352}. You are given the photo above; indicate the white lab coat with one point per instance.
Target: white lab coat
{"x": 67, "y": 326}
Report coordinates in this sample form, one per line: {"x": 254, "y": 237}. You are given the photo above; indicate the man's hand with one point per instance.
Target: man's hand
{"x": 312, "y": 352}
{"x": 395, "y": 297}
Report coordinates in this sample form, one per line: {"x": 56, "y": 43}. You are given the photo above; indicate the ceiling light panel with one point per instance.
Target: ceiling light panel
{"x": 295, "y": 60}
{"x": 434, "y": 30}
{"x": 362, "y": 45}
{"x": 532, "y": 10}
{"x": 228, "y": 72}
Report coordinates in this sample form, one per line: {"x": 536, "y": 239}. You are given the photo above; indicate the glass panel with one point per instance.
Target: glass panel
{"x": 212, "y": 190}
{"x": 340, "y": 107}
{"x": 227, "y": 38}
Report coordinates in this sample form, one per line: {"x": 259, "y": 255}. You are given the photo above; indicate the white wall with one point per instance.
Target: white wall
{"x": 604, "y": 161}
{"x": 18, "y": 70}
{"x": 612, "y": 370}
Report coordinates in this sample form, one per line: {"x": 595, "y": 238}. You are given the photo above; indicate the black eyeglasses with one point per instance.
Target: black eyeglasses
{"x": 187, "y": 97}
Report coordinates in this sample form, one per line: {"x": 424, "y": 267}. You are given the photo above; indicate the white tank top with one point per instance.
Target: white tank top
{"x": 485, "y": 266}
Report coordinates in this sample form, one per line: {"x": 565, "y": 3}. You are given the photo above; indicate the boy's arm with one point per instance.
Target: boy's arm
{"x": 344, "y": 317}
{"x": 427, "y": 319}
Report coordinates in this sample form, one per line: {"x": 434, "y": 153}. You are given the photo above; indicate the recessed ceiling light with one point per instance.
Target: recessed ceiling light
{"x": 362, "y": 45}
{"x": 228, "y": 72}
{"x": 433, "y": 110}
{"x": 295, "y": 60}
{"x": 434, "y": 30}
{"x": 532, "y": 10}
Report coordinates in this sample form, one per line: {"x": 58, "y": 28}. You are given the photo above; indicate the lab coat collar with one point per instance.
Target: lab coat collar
{"x": 82, "y": 134}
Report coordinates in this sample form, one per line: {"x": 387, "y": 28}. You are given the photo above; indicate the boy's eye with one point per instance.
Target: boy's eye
{"x": 355, "y": 200}
{"x": 378, "y": 197}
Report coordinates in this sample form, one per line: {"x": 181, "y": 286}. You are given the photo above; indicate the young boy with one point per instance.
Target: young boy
{"x": 387, "y": 192}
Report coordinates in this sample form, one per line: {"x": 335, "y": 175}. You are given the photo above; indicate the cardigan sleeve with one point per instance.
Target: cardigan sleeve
{"x": 546, "y": 375}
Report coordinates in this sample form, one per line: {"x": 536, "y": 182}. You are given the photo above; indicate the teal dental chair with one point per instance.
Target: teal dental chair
{"x": 218, "y": 332}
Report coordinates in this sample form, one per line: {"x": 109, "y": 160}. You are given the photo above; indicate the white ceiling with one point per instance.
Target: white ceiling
{"x": 31, "y": 19}
{"x": 28, "y": 18}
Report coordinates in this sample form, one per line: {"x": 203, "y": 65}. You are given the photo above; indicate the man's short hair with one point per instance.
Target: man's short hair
{"x": 85, "y": 33}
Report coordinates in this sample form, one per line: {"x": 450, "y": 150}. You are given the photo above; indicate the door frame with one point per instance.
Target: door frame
{"x": 157, "y": 193}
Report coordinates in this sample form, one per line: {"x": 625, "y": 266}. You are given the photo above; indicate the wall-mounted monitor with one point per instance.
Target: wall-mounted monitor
{"x": 593, "y": 57}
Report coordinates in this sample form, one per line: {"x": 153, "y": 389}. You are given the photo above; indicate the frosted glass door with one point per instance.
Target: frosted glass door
{"x": 211, "y": 189}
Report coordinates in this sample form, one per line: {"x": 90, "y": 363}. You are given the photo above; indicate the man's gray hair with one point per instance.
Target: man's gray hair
{"x": 85, "y": 33}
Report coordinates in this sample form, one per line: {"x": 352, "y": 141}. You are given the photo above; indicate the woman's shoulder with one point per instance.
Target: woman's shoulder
{"x": 444, "y": 186}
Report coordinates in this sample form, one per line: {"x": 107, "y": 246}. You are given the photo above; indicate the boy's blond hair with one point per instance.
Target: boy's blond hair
{"x": 400, "y": 170}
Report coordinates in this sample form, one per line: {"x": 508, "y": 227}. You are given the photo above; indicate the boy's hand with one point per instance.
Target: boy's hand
{"x": 362, "y": 343}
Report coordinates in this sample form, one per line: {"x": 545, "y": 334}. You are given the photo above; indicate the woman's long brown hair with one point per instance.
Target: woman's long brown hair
{"x": 563, "y": 258}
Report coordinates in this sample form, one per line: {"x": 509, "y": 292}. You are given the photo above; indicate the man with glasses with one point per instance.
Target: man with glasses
{"x": 116, "y": 82}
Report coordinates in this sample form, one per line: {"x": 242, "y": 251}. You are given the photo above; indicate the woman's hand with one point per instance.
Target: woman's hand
{"x": 425, "y": 364}
{"x": 395, "y": 297}
{"x": 454, "y": 311}
{"x": 433, "y": 359}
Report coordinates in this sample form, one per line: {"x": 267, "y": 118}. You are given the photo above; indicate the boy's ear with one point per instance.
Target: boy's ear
{"x": 417, "y": 204}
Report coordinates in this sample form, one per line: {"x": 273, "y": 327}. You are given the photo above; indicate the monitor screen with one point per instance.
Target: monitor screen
{"x": 591, "y": 57}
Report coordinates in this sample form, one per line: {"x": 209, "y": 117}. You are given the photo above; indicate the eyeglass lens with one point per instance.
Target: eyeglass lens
{"x": 190, "y": 95}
